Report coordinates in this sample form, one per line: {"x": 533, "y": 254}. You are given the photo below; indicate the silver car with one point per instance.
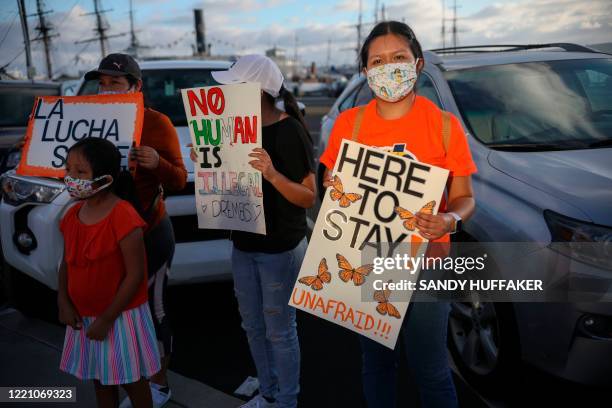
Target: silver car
{"x": 539, "y": 126}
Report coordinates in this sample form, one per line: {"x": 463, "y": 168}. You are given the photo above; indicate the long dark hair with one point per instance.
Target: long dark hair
{"x": 390, "y": 27}
{"x": 291, "y": 107}
{"x": 105, "y": 159}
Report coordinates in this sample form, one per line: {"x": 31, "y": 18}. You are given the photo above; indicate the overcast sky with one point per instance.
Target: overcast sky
{"x": 246, "y": 26}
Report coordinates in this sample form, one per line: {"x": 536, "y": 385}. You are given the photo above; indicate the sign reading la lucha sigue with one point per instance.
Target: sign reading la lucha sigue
{"x": 225, "y": 126}
{"x": 58, "y": 122}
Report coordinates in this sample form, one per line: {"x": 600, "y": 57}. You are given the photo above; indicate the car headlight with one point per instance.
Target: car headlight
{"x": 17, "y": 190}
{"x": 12, "y": 159}
{"x": 579, "y": 240}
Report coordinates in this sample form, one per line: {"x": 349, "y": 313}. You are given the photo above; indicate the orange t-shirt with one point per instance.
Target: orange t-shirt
{"x": 94, "y": 259}
{"x": 416, "y": 135}
{"x": 159, "y": 133}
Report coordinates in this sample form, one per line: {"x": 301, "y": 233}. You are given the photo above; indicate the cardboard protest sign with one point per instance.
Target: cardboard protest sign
{"x": 58, "y": 122}
{"x": 369, "y": 209}
{"x": 225, "y": 126}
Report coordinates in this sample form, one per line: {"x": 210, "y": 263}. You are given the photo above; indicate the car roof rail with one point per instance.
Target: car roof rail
{"x": 432, "y": 57}
{"x": 570, "y": 47}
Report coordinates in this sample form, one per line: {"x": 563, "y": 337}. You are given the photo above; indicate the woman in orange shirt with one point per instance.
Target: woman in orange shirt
{"x": 400, "y": 121}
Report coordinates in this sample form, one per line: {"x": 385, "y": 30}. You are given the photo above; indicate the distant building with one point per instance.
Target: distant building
{"x": 11, "y": 74}
{"x": 288, "y": 67}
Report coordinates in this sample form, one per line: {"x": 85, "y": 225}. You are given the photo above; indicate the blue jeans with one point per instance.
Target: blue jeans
{"x": 263, "y": 284}
{"x": 424, "y": 336}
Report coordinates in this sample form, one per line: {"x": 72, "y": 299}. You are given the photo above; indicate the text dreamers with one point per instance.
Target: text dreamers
{"x": 57, "y": 123}
{"x": 225, "y": 125}
{"x": 383, "y": 181}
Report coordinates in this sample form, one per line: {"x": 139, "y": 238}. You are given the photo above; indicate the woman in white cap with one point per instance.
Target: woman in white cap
{"x": 265, "y": 266}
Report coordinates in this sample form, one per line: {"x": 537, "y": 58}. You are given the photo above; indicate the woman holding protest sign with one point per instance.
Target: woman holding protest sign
{"x": 159, "y": 166}
{"x": 391, "y": 58}
{"x": 265, "y": 266}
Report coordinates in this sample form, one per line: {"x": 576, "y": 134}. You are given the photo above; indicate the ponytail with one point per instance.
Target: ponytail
{"x": 124, "y": 187}
{"x": 292, "y": 109}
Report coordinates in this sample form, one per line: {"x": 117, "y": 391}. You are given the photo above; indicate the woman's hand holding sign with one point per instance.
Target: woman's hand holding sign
{"x": 300, "y": 194}
{"x": 146, "y": 157}
{"x": 263, "y": 163}
{"x": 434, "y": 226}
{"x": 328, "y": 178}
{"x": 193, "y": 155}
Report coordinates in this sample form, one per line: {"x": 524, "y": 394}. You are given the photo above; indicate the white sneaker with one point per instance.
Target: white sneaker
{"x": 259, "y": 402}
{"x": 126, "y": 403}
{"x": 160, "y": 395}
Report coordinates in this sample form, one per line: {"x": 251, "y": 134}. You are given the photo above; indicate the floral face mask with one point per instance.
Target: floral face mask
{"x": 392, "y": 82}
{"x": 83, "y": 189}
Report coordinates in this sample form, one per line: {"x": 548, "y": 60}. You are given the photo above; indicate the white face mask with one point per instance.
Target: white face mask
{"x": 392, "y": 82}
{"x": 130, "y": 90}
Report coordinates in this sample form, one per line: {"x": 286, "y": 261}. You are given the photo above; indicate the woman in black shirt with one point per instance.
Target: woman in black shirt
{"x": 265, "y": 267}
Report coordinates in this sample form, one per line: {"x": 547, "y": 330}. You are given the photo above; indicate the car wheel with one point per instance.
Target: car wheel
{"x": 483, "y": 341}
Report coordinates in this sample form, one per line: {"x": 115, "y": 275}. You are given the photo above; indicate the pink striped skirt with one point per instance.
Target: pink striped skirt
{"x": 128, "y": 353}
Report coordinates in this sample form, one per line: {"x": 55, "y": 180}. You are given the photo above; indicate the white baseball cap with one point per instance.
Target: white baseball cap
{"x": 253, "y": 68}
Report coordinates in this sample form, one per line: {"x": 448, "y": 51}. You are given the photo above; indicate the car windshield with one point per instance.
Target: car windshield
{"x": 16, "y": 103}
{"x": 162, "y": 89}
{"x": 551, "y": 105}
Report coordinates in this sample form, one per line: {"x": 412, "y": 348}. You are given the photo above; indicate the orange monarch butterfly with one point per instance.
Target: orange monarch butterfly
{"x": 316, "y": 282}
{"x": 384, "y": 307}
{"x": 337, "y": 194}
{"x": 410, "y": 218}
{"x": 348, "y": 273}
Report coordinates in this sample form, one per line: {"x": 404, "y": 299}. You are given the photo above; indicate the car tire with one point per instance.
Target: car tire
{"x": 29, "y": 296}
{"x": 490, "y": 378}
{"x": 478, "y": 328}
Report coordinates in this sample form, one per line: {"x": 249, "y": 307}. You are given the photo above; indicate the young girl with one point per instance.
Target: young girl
{"x": 265, "y": 266}
{"x": 102, "y": 293}
{"x": 392, "y": 59}
{"x": 159, "y": 167}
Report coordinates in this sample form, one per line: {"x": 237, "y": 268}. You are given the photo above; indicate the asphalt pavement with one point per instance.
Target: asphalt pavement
{"x": 30, "y": 352}
{"x": 211, "y": 347}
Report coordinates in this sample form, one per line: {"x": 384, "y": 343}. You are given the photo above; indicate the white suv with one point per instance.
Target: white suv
{"x": 32, "y": 207}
